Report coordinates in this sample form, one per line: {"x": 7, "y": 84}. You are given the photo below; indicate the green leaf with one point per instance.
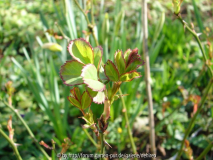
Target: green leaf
{"x": 99, "y": 98}
{"x": 98, "y": 53}
{"x": 120, "y": 62}
{"x": 74, "y": 101}
{"x": 76, "y": 93}
{"x": 70, "y": 73}
{"x": 86, "y": 100}
{"x": 81, "y": 51}
{"x": 126, "y": 54}
{"x": 127, "y": 77}
{"x": 91, "y": 92}
{"x": 134, "y": 64}
{"x": 90, "y": 78}
{"x": 111, "y": 71}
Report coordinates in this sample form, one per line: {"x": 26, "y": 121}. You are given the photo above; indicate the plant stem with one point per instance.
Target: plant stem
{"x": 198, "y": 41}
{"x": 86, "y": 17}
{"x": 91, "y": 26}
{"x": 191, "y": 124}
{"x": 11, "y": 143}
{"x": 127, "y": 124}
{"x": 147, "y": 77}
{"x": 28, "y": 129}
{"x": 90, "y": 138}
{"x": 102, "y": 143}
{"x": 205, "y": 151}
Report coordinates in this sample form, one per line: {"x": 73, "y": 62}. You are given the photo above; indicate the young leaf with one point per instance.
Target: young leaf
{"x": 90, "y": 78}
{"x": 127, "y": 77}
{"x": 132, "y": 56}
{"x": 98, "y": 53}
{"x": 126, "y": 54}
{"x": 99, "y": 98}
{"x": 81, "y": 51}
{"x": 86, "y": 100}
{"x": 120, "y": 62}
{"x": 70, "y": 73}
{"x": 74, "y": 102}
{"x": 111, "y": 71}
{"x": 134, "y": 64}
{"x": 91, "y": 92}
{"x": 76, "y": 93}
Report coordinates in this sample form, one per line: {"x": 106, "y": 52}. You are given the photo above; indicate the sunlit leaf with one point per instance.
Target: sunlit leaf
{"x": 129, "y": 76}
{"x": 120, "y": 62}
{"x": 99, "y": 98}
{"x": 71, "y": 73}
{"x": 81, "y": 51}
{"x": 90, "y": 78}
{"x": 98, "y": 53}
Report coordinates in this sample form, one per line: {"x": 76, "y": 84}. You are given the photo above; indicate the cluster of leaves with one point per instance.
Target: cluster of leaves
{"x": 87, "y": 68}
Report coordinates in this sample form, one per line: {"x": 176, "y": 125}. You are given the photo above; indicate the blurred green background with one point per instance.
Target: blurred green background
{"x": 41, "y": 97}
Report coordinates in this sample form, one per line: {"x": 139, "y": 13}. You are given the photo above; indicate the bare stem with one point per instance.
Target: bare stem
{"x": 28, "y": 129}
{"x": 206, "y": 150}
{"x": 90, "y": 138}
{"x": 191, "y": 124}
{"x": 102, "y": 144}
{"x": 91, "y": 26}
{"x": 147, "y": 77}
{"x": 127, "y": 124}
{"x": 11, "y": 143}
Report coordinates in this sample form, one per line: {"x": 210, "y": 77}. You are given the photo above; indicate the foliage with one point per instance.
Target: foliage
{"x": 40, "y": 96}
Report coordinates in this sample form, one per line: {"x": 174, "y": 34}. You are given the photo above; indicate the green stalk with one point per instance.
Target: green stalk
{"x": 89, "y": 24}
{"x": 102, "y": 144}
{"x": 191, "y": 124}
{"x": 28, "y": 129}
{"x": 127, "y": 124}
{"x": 90, "y": 138}
{"x": 11, "y": 143}
{"x": 205, "y": 152}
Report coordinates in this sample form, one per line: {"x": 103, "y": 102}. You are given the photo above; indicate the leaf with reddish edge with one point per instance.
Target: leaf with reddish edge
{"x": 81, "y": 50}
{"x": 99, "y": 98}
{"x": 134, "y": 64}
{"x": 76, "y": 93}
{"x": 90, "y": 78}
{"x": 86, "y": 100}
{"x": 74, "y": 102}
{"x": 111, "y": 71}
{"x": 129, "y": 76}
{"x": 126, "y": 54}
{"x": 133, "y": 55}
{"x": 70, "y": 73}
{"x": 98, "y": 53}
{"x": 120, "y": 62}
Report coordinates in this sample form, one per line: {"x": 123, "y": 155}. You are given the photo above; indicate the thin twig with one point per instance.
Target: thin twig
{"x": 147, "y": 77}
{"x": 127, "y": 124}
{"x": 90, "y": 138}
{"x": 191, "y": 124}
{"x": 206, "y": 150}
{"x": 28, "y": 129}
{"x": 11, "y": 143}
